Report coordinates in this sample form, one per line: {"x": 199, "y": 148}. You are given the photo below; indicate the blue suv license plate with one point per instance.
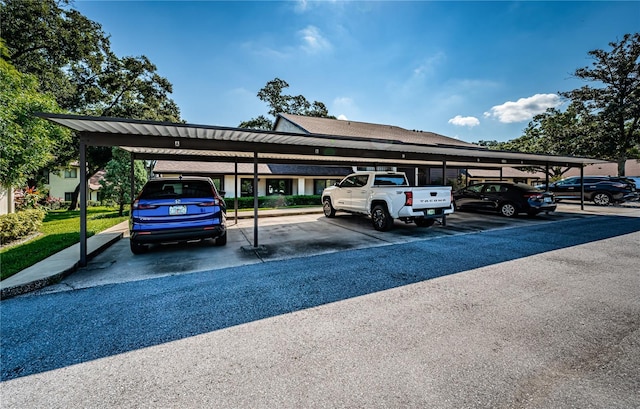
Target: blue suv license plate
{"x": 177, "y": 210}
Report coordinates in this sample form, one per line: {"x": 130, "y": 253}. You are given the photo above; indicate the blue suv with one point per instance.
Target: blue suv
{"x": 177, "y": 209}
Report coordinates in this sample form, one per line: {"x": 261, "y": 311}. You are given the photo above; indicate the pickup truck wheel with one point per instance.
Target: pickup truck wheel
{"x": 381, "y": 218}
{"x": 508, "y": 209}
{"x": 602, "y": 199}
{"x": 425, "y": 222}
{"x": 328, "y": 210}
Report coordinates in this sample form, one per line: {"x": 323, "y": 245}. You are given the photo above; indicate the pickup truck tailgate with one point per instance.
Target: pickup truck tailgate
{"x": 431, "y": 197}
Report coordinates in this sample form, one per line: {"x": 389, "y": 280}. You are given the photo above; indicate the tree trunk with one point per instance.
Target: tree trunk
{"x": 76, "y": 193}
{"x": 621, "y": 163}
{"x": 74, "y": 198}
{"x": 121, "y": 205}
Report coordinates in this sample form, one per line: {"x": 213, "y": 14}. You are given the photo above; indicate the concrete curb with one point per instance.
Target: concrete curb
{"x": 53, "y": 269}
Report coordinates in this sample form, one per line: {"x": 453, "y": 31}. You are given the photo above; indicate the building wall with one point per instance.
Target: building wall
{"x": 300, "y": 185}
{"x": 482, "y": 179}
{"x": 7, "y": 205}
{"x": 286, "y": 126}
{"x": 59, "y": 185}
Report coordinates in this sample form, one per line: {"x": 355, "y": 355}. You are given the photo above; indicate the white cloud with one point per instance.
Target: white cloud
{"x": 266, "y": 51}
{"x": 524, "y": 108}
{"x": 346, "y": 106}
{"x": 342, "y": 103}
{"x": 428, "y": 66}
{"x": 460, "y": 120}
{"x": 313, "y": 41}
{"x": 301, "y": 6}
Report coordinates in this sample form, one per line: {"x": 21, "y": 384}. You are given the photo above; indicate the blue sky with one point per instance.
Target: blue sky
{"x": 469, "y": 70}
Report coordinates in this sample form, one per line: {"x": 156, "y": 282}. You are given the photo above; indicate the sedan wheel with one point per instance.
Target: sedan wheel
{"x": 602, "y": 199}
{"x": 508, "y": 210}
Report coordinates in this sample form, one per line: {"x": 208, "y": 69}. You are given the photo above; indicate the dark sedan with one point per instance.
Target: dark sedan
{"x": 602, "y": 190}
{"x": 506, "y": 198}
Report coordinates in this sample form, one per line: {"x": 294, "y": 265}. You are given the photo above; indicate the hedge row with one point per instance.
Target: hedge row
{"x": 20, "y": 224}
{"x": 276, "y": 201}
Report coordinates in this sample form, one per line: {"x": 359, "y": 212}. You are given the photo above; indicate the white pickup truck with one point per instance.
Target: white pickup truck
{"x": 386, "y": 196}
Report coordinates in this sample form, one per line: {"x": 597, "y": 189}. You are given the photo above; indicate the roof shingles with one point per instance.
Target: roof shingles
{"x": 329, "y": 126}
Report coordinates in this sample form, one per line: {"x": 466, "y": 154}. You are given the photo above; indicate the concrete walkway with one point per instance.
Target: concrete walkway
{"x": 65, "y": 262}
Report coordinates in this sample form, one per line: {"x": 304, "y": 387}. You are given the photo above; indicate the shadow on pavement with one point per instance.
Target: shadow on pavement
{"x": 46, "y": 332}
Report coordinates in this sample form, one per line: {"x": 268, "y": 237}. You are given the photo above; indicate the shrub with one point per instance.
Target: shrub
{"x": 20, "y": 224}
{"x": 28, "y": 198}
{"x": 276, "y": 201}
{"x": 52, "y": 203}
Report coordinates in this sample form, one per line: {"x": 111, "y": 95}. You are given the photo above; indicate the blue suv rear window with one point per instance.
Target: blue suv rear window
{"x": 193, "y": 189}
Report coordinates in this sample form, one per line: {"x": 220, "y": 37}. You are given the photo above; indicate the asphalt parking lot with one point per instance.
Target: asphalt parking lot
{"x": 286, "y": 237}
{"x": 522, "y": 313}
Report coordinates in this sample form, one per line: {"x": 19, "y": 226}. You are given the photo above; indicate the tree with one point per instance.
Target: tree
{"x": 46, "y": 37}
{"x": 278, "y": 103}
{"x": 27, "y": 142}
{"x": 71, "y": 56}
{"x": 116, "y": 184}
{"x": 615, "y": 100}
{"x": 555, "y": 132}
{"x": 600, "y": 121}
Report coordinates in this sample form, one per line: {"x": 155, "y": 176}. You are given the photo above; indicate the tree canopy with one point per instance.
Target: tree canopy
{"x": 116, "y": 184}
{"x": 28, "y": 142}
{"x": 278, "y": 103}
{"x": 613, "y": 101}
{"x": 71, "y": 58}
{"x": 602, "y": 118}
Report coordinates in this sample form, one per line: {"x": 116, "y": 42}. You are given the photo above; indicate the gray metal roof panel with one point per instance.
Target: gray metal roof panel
{"x": 115, "y": 130}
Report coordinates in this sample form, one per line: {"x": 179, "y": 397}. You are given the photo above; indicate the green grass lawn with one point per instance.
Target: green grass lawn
{"x": 60, "y": 229}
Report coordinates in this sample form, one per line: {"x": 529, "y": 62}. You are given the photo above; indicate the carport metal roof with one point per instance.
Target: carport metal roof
{"x": 176, "y": 141}
{"x": 179, "y": 141}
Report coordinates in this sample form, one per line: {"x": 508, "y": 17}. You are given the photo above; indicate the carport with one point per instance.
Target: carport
{"x": 148, "y": 140}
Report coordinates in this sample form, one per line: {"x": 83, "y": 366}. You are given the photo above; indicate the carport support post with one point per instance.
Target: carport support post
{"x": 581, "y": 187}
{"x": 83, "y": 204}
{"x": 132, "y": 176}
{"x": 444, "y": 172}
{"x": 255, "y": 199}
{"x": 546, "y": 177}
{"x": 444, "y": 182}
{"x": 235, "y": 189}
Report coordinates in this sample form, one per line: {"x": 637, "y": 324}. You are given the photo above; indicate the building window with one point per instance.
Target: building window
{"x": 71, "y": 173}
{"x": 68, "y": 196}
{"x": 279, "y": 187}
{"x": 217, "y": 182}
{"x": 320, "y": 184}
{"x": 376, "y": 169}
{"x": 246, "y": 187}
